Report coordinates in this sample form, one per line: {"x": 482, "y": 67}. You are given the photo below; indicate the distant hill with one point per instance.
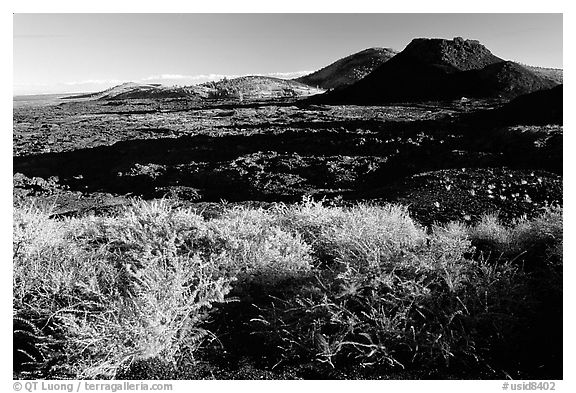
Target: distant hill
{"x": 247, "y": 87}
{"x": 131, "y": 90}
{"x": 349, "y": 69}
{"x": 258, "y": 87}
{"x": 439, "y": 69}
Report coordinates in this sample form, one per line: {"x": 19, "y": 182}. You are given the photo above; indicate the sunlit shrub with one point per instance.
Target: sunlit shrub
{"x": 133, "y": 288}
{"x": 345, "y": 286}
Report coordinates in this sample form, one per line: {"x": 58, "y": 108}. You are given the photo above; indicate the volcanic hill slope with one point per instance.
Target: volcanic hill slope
{"x": 348, "y": 70}
{"x": 439, "y": 69}
{"x": 258, "y": 87}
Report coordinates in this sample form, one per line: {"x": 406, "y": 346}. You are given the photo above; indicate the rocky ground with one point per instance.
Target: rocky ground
{"x": 80, "y": 156}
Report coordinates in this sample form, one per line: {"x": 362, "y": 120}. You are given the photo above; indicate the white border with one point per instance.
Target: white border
{"x": 356, "y": 6}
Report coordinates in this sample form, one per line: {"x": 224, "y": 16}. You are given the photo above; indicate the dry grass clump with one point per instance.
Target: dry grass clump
{"x": 536, "y": 242}
{"x": 395, "y": 295}
{"x": 260, "y": 251}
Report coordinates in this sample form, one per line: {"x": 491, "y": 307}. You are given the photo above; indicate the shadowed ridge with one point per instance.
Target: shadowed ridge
{"x": 504, "y": 79}
{"x": 539, "y": 108}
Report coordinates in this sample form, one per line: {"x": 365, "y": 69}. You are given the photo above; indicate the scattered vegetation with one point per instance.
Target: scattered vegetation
{"x": 348, "y": 288}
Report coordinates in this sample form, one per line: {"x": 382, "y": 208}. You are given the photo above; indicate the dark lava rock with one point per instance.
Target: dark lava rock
{"x": 151, "y": 368}
{"x": 466, "y": 194}
{"x": 284, "y": 176}
{"x": 456, "y": 54}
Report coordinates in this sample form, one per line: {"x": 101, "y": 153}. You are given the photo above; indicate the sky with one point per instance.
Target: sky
{"x": 61, "y": 53}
